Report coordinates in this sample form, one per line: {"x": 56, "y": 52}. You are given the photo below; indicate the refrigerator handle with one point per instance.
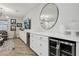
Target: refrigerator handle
{"x": 58, "y": 48}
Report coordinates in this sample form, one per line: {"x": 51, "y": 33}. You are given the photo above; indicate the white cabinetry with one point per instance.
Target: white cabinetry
{"x": 39, "y": 44}
{"x": 22, "y": 35}
{"x": 77, "y": 49}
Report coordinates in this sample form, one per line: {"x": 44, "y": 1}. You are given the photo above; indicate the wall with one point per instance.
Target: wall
{"x": 18, "y": 20}
{"x": 67, "y": 13}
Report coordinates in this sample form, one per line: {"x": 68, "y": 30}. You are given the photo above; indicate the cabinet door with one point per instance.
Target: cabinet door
{"x": 44, "y": 49}
{"x": 37, "y": 42}
{"x": 20, "y": 34}
{"x": 23, "y": 36}
{"x": 34, "y": 42}
{"x": 77, "y": 48}
{"x": 44, "y": 46}
{"x": 31, "y": 41}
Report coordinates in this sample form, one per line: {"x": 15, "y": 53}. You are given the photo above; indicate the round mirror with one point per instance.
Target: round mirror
{"x": 48, "y": 16}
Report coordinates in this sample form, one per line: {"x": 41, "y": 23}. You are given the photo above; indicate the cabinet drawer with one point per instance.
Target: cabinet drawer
{"x": 43, "y": 38}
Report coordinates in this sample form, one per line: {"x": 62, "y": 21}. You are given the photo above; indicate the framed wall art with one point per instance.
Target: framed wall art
{"x": 19, "y": 24}
{"x": 13, "y": 28}
{"x": 13, "y": 21}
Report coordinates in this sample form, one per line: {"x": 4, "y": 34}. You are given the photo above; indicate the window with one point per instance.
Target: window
{"x": 3, "y": 25}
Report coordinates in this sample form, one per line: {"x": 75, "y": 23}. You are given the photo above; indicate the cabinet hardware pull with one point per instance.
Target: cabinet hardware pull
{"x": 57, "y": 47}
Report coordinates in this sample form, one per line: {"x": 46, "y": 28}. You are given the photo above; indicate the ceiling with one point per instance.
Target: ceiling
{"x": 19, "y": 9}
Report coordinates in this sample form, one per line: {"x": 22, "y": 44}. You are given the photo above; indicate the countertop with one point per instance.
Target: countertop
{"x": 56, "y": 35}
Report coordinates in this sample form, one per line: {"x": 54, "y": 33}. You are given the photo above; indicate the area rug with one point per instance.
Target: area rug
{"x": 8, "y": 45}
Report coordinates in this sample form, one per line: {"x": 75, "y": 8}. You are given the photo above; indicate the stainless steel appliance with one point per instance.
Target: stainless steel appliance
{"x": 67, "y": 48}
{"x": 61, "y": 47}
{"x": 53, "y": 47}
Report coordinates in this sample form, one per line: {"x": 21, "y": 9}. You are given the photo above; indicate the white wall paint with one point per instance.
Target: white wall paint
{"x": 18, "y": 20}
{"x": 67, "y": 12}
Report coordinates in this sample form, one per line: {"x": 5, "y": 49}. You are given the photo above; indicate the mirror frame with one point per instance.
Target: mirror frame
{"x": 56, "y": 18}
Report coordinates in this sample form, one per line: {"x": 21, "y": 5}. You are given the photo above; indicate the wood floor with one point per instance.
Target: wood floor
{"x": 19, "y": 49}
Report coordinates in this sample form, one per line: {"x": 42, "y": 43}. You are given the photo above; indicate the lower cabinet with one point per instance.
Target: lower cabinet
{"x": 61, "y": 47}
{"x": 22, "y": 35}
{"x": 44, "y": 48}
{"x": 39, "y": 44}
{"x": 51, "y": 46}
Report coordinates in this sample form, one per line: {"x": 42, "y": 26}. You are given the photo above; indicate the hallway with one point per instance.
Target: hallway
{"x": 18, "y": 49}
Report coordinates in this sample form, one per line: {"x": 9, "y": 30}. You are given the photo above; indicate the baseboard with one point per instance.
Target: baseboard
{"x": 34, "y": 52}
{"x": 22, "y": 40}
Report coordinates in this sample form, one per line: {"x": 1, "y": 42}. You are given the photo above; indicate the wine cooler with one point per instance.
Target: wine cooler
{"x": 61, "y": 47}
{"x": 53, "y": 47}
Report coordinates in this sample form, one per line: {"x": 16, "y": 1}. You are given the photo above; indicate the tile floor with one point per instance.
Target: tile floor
{"x": 18, "y": 49}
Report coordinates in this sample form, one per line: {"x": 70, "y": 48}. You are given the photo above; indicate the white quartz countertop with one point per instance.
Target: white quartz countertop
{"x": 56, "y": 35}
